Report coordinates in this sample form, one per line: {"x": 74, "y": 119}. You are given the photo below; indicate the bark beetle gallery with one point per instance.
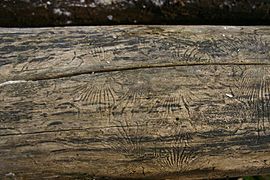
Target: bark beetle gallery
{"x": 140, "y": 101}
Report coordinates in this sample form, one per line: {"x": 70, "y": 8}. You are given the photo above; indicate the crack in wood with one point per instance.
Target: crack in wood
{"x": 153, "y": 66}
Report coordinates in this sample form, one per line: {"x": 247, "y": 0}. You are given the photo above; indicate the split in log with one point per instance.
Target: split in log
{"x": 134, "y": 102}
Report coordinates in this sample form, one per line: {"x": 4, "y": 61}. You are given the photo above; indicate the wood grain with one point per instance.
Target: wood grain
{"x": 134, "y": 102}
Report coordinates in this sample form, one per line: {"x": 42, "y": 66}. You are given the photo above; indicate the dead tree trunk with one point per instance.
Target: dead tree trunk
{"x": 134, "y": 102}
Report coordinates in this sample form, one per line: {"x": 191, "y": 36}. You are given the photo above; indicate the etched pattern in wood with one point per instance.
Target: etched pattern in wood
{"x": 175, "y": 154}
{"x": 253, "y": 91}
{"x": 140, "y": 102}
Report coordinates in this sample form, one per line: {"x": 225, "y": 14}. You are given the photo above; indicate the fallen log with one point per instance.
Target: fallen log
{"x": 25, "y": 13}
{"x": 134, "y": 102}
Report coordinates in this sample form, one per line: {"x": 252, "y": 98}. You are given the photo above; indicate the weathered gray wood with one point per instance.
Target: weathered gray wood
{"x": 33, "y": 54}
{"x": 134, "y": 102}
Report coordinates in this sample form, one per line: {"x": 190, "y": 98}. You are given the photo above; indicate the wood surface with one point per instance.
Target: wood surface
{"x": 153, "y": 102}
{"x": 36, "y": 13}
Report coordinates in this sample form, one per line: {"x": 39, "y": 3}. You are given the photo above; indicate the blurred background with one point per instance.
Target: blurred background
{"x": 30, "y": 13}
{"x": 250, "y": 178}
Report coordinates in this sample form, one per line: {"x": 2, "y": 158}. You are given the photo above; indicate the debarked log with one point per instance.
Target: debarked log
{"x": 154, "y": 102}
